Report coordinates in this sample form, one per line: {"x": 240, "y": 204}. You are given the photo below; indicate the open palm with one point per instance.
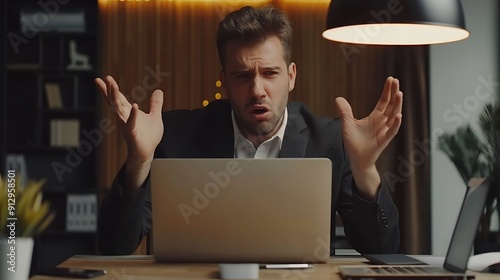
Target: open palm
{"x": 142, "y": 131}
{"x": 365, "y": 139}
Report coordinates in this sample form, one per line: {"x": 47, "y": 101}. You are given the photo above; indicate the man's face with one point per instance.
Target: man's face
{"x": 257, "y": 81}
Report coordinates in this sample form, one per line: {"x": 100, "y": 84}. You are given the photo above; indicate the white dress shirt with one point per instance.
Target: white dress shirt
{"x": 270, "y": 148}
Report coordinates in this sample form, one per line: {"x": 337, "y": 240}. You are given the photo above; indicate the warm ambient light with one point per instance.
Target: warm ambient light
{"x": 232, "y": 2}
{"x": 403, "y": 22}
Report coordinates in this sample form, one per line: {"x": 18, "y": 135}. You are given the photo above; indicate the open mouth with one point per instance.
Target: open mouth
{"x": 260, "y": 113}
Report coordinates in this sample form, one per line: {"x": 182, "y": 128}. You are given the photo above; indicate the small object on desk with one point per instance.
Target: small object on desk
{"x": 486, "y": 262}
{"x": 239, "y": 271}
{"x": 76, "y": 273}
{"x": 287, "y": 266}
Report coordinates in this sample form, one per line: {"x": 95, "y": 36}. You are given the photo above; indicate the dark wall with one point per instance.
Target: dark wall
{"x": 3, "y": 16}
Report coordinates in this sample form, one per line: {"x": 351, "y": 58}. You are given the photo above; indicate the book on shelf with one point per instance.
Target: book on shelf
{"x": 53, "y": 93}
{"x": 64, "y": 132}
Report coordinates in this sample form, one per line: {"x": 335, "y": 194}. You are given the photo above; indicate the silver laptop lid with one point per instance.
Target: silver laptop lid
{"x": 240, "y": 210}
{"x": 465, "y": 230}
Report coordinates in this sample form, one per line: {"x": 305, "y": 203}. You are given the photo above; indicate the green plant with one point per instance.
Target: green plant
{"x": 22, "y": 211}
{"x": 475, "y": 157}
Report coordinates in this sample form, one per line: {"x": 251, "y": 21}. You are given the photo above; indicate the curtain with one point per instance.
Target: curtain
{"x": 171, "y": 45}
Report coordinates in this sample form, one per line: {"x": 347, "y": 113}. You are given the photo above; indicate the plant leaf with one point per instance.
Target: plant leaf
{"x": 464, "y": 150}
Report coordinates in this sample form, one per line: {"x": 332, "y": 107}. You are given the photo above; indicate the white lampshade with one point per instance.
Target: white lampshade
{"x": 393, "y": 22}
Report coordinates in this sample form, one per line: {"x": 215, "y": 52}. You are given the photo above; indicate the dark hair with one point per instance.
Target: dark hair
{"x": 254, "y": 25}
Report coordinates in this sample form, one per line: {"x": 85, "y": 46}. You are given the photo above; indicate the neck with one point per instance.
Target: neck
{"x": 257, "y": 139}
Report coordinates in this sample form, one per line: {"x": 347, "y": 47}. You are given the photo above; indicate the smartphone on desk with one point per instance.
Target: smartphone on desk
{"x": 77, "y": 273}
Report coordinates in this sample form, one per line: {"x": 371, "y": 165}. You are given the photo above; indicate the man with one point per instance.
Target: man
{"x": 254, "y": 49}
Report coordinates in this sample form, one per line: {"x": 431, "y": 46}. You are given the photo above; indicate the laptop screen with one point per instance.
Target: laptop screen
{"x": 241, "y": 210}
{"x": 466, "y": 228}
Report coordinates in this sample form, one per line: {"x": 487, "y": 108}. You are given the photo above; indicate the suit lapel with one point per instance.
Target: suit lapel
{"x": 222, "y": 144}
{"x": 220, "y": 138}
{"x": 219, "y": 135}
{"x": 296, "y": 135}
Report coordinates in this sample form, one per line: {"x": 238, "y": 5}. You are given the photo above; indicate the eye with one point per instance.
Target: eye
{"x": 270, "y": 73}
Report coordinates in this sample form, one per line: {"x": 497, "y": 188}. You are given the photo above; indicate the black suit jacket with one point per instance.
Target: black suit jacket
{"x": 371, "y": 227}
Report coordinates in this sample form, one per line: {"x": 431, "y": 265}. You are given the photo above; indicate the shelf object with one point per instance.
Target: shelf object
{"x": 81, "y": 213}
{"x": 64, "y": 133}
{"x": 49, "y": 109}
{"x": 78, "y": 61}
{"x": 53, "y": 94}
{"x": 64, "y": 20}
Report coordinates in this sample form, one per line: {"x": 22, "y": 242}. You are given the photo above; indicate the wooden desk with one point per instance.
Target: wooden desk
{"x": 144, "y": 268}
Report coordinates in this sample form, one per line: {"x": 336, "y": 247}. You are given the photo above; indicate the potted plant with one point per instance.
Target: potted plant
{"x": 23, "y": 215}
{"x": 478, "y": 157}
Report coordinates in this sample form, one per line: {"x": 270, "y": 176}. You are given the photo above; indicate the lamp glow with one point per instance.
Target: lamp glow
{"x": 404, "y": 22}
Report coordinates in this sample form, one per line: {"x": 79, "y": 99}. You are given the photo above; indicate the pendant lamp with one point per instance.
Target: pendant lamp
{"x": 395, "y": 22}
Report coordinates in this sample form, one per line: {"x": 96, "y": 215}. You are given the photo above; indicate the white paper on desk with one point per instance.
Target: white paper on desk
{"x": 111, "y": 258}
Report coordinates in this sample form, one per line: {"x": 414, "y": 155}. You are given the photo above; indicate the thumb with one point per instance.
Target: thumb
{"x": 344, "y": 107}
{"x": 156, "y": 102}
{"x": 132, "y": 118}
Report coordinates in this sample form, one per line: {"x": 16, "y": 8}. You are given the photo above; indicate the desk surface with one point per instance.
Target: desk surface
{"x": 144, "y": 268}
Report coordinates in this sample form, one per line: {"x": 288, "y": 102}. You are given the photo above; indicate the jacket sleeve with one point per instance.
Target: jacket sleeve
{"x": 371, "y": 227}
{"x": 124, "y": 219}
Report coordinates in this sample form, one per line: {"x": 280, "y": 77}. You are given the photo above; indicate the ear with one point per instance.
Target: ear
{"x": 292, "y": 73}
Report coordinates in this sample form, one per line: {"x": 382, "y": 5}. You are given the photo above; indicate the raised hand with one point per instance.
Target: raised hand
{"x": 142, "y": 131}
{"x": 365, "y": 139}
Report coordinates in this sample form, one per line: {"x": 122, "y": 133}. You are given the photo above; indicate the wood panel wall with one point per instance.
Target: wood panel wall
{"x": 171, "y": 45}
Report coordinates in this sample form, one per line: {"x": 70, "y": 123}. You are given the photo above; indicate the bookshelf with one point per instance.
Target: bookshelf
{"x": 48, "y": 110}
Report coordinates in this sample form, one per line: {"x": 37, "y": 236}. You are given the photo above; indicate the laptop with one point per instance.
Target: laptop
{"x": 241, "y": 210}
{"x": 457, "y": 257}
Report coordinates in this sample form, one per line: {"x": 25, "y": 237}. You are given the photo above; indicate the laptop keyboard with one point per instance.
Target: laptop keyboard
{"x": 406, "y": 269}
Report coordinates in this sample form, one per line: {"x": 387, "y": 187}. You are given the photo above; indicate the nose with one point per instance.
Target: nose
{"x": 258, "y": 87}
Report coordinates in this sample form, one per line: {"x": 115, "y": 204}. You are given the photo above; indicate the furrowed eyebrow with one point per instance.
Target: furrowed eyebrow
{"x": 248, "y": 71}
{"x": 238, "y": 72}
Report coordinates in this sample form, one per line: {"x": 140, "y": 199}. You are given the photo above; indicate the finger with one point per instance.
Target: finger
{"x": 386, "y": 95}
{"x": 101, "y": 85}
{"x": 394, "y": 128}
{"x": 394, "y": 86}
{"x": 112, "y": 95}
{"x": 344, "y": 107}
{"x": 392, "y": 98}
{"x": 132, "y": 120}
{"x": 118, "y": 101}
{"x": 115, "y": 90}
{"x": 109, "y": 80}
{"x": 156, "y": 101}
{"x": 392, "y": 106}
{"x": 396, "y": 108}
